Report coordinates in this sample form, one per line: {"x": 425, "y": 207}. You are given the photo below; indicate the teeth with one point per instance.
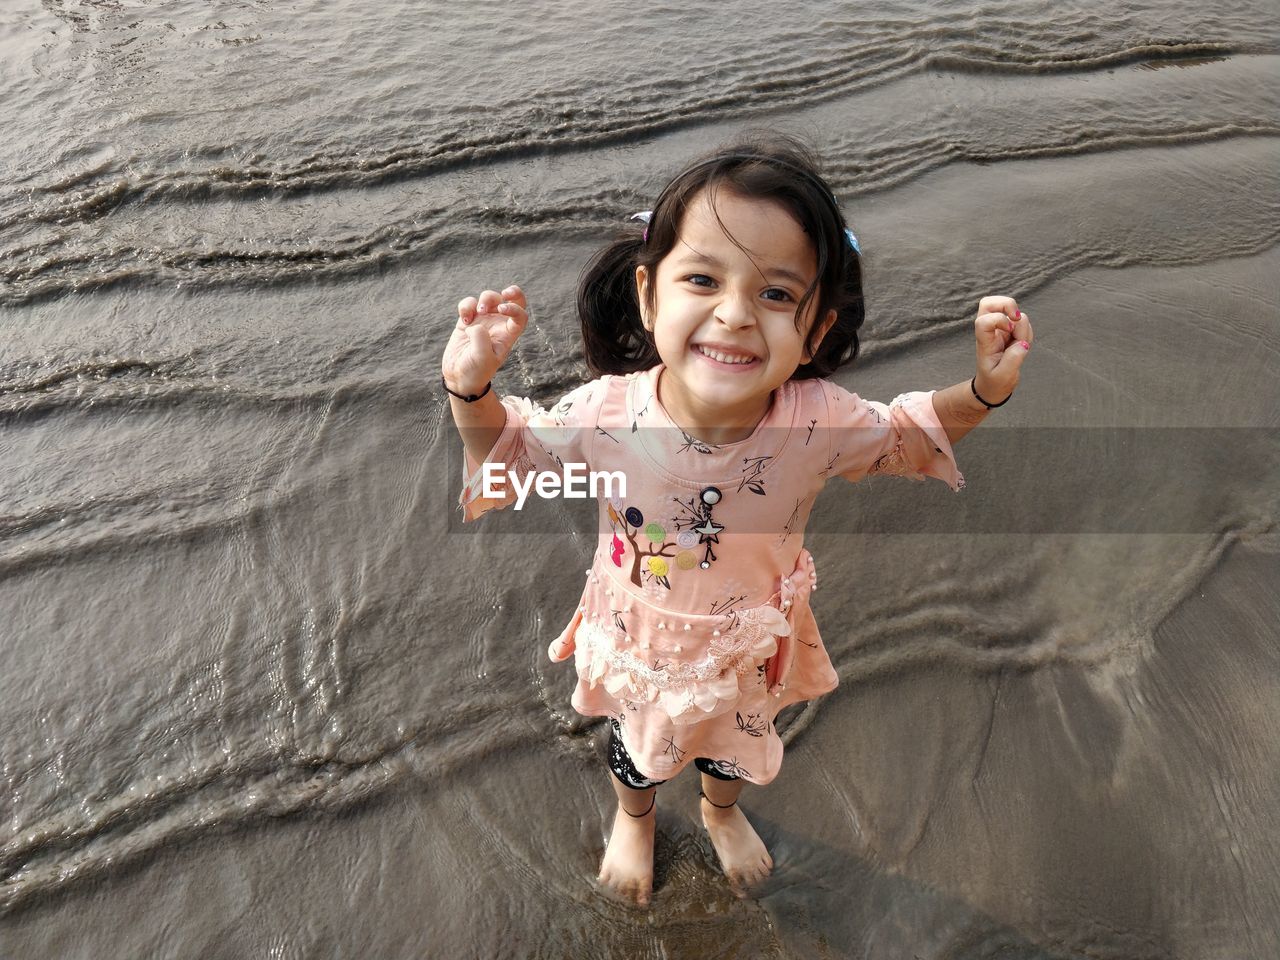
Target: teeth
{"x": 724, "y": 357}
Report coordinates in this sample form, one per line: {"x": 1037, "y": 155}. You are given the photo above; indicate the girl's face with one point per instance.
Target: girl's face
{"x": 725, "y": 324}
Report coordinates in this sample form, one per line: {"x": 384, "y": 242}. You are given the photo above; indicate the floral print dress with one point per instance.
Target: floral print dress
{"x": 694, "y": 628}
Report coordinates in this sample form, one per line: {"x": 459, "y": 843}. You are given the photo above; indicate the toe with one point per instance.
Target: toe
{"x": 639, "y": 894}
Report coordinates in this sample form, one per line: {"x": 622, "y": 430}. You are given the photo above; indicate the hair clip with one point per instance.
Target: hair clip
{"x": 643, "y": 215}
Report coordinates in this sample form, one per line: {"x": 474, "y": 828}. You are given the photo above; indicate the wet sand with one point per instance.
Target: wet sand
{"x": 263, "y": 696}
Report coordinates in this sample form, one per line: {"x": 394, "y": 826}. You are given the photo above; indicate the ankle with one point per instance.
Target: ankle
{"x": 717, "y": 809}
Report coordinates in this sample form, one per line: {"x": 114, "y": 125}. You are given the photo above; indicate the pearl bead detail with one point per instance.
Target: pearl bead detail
{"x": 676, "y": 648}
{"x": 715, "y": 633}
{"x": 688, "y": 627}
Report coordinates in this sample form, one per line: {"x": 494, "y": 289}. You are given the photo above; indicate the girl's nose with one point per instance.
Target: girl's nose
{"x": 734, "y": 312}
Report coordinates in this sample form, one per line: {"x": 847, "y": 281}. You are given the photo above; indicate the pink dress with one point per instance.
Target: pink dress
{"x": 694, "y": 628}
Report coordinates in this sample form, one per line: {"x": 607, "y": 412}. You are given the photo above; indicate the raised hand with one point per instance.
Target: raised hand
{"x": 1004, "y": 337}
{"x": 488, "y": 327}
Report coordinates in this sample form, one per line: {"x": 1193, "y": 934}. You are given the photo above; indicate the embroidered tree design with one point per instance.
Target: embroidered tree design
{"x": 651, "y": 559}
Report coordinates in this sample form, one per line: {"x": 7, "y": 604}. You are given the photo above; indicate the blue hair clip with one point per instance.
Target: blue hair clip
{"x": 853, "y": 241}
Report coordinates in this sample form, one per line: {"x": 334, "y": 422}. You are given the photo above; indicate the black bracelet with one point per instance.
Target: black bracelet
{"x": 989, "y": 406}
{"x": 467, "y": 398}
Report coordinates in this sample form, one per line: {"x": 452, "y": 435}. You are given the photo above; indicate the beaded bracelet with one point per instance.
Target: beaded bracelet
{"x": 466, "y": 398}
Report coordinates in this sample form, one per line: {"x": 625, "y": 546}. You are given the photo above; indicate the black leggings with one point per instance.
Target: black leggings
{"x": 622, "y": 767}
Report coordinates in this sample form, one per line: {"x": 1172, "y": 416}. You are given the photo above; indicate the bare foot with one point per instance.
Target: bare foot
{"x": 627, "y": 867}
{"x": 742, "y": 853}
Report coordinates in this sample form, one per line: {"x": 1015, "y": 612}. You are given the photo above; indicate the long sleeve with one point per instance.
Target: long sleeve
{"x": 903, "y": 438}
{"x": 534, "y": 440}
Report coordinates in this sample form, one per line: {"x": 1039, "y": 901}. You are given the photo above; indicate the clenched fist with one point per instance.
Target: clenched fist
{"x": 1004, "y": 337}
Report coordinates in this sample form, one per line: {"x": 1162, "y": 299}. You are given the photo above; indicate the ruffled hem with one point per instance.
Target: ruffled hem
{"x": 691, "y": 667}
{"x": 922, "y": 448}
{"x": 508, "y": 451}
{"x": 686, "y": 692}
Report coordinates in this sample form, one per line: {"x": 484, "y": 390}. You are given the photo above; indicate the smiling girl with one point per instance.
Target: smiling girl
{"x": 711, "y": 331}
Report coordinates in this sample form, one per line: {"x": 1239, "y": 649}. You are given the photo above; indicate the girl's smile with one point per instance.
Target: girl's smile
{"x": 726, "y": 355}
{"x": 725, "y": 326}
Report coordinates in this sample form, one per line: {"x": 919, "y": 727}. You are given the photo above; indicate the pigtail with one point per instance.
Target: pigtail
{"x": 614, "y": 340}
{"x": 840, "y": 345}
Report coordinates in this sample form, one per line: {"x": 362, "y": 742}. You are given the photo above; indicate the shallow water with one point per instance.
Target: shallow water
{"x": 261, "y": 695}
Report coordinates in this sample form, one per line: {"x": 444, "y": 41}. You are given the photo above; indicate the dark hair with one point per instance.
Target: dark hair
{"x": 758, "y": 164}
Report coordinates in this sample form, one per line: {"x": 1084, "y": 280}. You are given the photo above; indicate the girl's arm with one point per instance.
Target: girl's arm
{"x": 479, "y": 423}
{"x": 999, "y": 324}
{"x": 958, "y": 410}
{"x": 488, "y": 327}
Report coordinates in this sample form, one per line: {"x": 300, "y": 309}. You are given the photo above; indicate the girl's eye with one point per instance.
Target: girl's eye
{"x": 694, "y": 278}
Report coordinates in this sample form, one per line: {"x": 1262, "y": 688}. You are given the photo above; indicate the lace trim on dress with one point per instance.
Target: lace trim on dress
{"x": 895, "y": 463}
{"x": 686, "y": 691}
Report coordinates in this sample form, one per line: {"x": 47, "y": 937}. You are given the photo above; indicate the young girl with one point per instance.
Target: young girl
{"x": 710, "y": 331}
